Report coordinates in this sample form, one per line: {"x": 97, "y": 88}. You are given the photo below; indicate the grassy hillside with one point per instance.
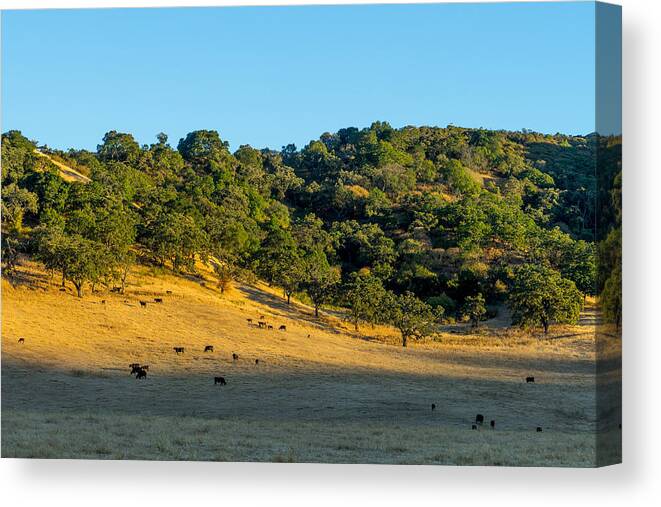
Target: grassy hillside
{"x": 321, "y": 392}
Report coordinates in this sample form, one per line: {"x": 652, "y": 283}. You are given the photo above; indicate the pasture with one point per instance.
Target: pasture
{"x": 319, "y": 393}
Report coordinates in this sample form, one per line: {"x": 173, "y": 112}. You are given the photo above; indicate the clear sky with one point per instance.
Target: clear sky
{"x": 271, "y": 76}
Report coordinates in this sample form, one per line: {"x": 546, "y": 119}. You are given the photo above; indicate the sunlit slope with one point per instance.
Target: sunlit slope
{"x": 64, "y": 332}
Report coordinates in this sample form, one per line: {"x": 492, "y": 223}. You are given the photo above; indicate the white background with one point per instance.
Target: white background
{"x": 636, "y": 482}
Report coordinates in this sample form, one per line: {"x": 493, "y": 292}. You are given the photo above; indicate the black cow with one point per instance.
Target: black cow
{"x": 103, "y": 301}
{"x": 269, "y": 326}
{"x": 21, "y": 340}
{"x": 530, "y": 380}
{"x": 261, "y": 324}
{"x": 433, "y": 407}
{"x": 208, "y": 348}
{"x": 178, "y": 350}
{"x": 141, "y": 374}
{"x": 256, "y": 361}
{"x": 158, "y": 300}
{"x": 474, "y": 427}
{"x": 235, "y": 357}
{"x": 539, "y": 429}
{"x": 145, "y": 367}
{"x": 493, "y": 424}
{"x": 479, "y": 419}
{"x": 136, "y": 369}
{"x": 168, "y": 292}
{"x": 249, "y": 321}
{"x": 219, "y": 380}
{"x": 143, "y": 304}
{"x": 282, "y": 328}
{"x": 134, "y": 365}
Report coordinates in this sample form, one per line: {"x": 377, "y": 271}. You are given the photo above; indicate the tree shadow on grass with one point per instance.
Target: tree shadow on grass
{"x": 293, "y": 311}
{"x": 23, "y": 277}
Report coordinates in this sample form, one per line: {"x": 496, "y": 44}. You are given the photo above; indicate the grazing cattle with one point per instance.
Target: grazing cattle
{"x": 136, "y": 369}
{"x": 235, "y": 357}
{"x": 145, "y": 367}
{"x": 262, "y": 317}
{"x": 474, "y": 427}
{"x": 62, "y": 289}
{"x": 261, "y": 324}
{"x": 134, "y": 365}
{"x": 539, "y": 429}
{"x": 433, "y": 407}
{"x": 21, "y": 340}
{"x": 256, "y": 361}
{"x": 178, "y": 350}
{"x": 479, "y": 419}
{"x": 308, "y": 336}
{"x": 141, "y": 374}
{"x": 158, "y": 300}
{"x": 168, "y": 292}
{"x": 530, "y": 380}
{"x": 103, "y": 301}
{"x": 208, "y": 348}
{"x": 282, "y": 328}
{"x": 143, "y": 304}
{"x": 219, "y": 380}
{"x": 493, "y": 424}
{"x": 269, "y": 326}
{"x": 249, "y": 321}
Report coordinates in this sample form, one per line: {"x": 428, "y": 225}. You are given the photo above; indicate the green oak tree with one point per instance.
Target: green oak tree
{"x": 539, "y": 295}
{"x": 413, "y": 317}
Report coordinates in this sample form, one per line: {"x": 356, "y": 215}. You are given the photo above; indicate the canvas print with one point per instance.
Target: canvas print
{"x": 334, "y": 234}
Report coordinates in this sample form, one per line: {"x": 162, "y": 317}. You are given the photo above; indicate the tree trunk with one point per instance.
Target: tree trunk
{"x": 316, "y": 310}
{"x": 404, "y": 340}
{"x": 79, "y": 289}
{"x": 288, "y": 297}
{"x": 124, "y": 275}
{"x": 64, "y": 278}
{"x": 546, "y": 326}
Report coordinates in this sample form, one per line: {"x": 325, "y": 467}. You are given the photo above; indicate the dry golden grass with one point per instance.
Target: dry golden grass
{"x": 66, "y": 173}
{"x": 336, "y": 395}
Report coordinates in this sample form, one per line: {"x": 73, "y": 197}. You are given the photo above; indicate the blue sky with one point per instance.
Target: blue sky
{"x": 271, "y": 76}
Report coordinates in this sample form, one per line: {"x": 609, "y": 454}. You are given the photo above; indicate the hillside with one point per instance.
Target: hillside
{"x": 74, "y": 364}
{"x": 447, "y": 214}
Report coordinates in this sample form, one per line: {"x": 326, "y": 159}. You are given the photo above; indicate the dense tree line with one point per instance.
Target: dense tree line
{"x": 401, "y": 226}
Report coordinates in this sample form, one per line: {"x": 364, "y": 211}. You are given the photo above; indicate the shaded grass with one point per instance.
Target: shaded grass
{"x": 95, "y": 436}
